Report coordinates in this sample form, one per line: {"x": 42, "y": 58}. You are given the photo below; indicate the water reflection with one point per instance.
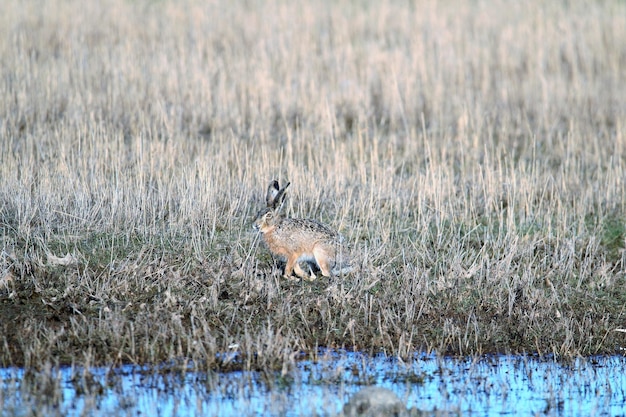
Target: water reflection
{"x": 490, "y": 385}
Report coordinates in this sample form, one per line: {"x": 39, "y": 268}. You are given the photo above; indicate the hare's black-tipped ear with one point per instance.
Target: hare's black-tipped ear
{"x": 275, "y": 194}
{"x": 280, "y": 197}
{"x": 272, "y": 192}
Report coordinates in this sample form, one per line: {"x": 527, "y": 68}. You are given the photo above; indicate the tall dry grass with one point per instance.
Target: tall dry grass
{"x": 473, "y": 154}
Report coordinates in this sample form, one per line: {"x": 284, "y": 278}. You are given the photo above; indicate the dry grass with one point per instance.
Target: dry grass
{"x": 473, "y": 154}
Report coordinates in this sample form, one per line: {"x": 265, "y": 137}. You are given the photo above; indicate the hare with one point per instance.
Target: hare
{"x": 298, "y": 240}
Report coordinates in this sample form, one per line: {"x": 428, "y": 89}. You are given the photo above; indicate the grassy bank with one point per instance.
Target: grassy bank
{"x": 473, "y": 156}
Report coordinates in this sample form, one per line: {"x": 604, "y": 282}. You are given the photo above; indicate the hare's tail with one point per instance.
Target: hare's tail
{"x": 343, "y": 270}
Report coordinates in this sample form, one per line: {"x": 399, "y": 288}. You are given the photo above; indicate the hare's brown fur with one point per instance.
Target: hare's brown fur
{"x": 297, "y": 239}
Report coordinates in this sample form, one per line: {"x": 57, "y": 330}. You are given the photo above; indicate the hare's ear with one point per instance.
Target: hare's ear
{"x": 275, "y": 194}
{"x": 272, "y": 191}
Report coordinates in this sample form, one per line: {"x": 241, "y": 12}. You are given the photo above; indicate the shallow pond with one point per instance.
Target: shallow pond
{"x": 490, "y": 385}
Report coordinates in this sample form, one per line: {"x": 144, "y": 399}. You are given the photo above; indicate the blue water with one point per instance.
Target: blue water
{"x": 486, "y": 386}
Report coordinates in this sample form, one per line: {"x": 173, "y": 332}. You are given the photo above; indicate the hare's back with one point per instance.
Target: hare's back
{"x": 308, "y": 229}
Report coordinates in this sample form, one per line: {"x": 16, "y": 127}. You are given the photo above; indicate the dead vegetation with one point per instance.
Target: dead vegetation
{"x": 472, "y": 155}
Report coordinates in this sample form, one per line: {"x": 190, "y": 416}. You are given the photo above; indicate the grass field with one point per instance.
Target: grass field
{"x": 472, "y": 154}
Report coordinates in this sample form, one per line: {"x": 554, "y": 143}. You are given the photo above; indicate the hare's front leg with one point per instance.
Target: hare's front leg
{"x": 300, "y": 272}
{"x": 292, "y": 263}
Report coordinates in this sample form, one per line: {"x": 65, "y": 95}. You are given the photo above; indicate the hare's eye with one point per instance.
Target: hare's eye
{"x": 269, "y": 215}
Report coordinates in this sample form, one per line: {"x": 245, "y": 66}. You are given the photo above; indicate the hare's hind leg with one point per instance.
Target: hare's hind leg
{"x": 323, "y": 260}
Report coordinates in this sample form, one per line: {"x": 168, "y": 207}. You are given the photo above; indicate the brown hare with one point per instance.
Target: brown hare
{"x": 299, "y": 240}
